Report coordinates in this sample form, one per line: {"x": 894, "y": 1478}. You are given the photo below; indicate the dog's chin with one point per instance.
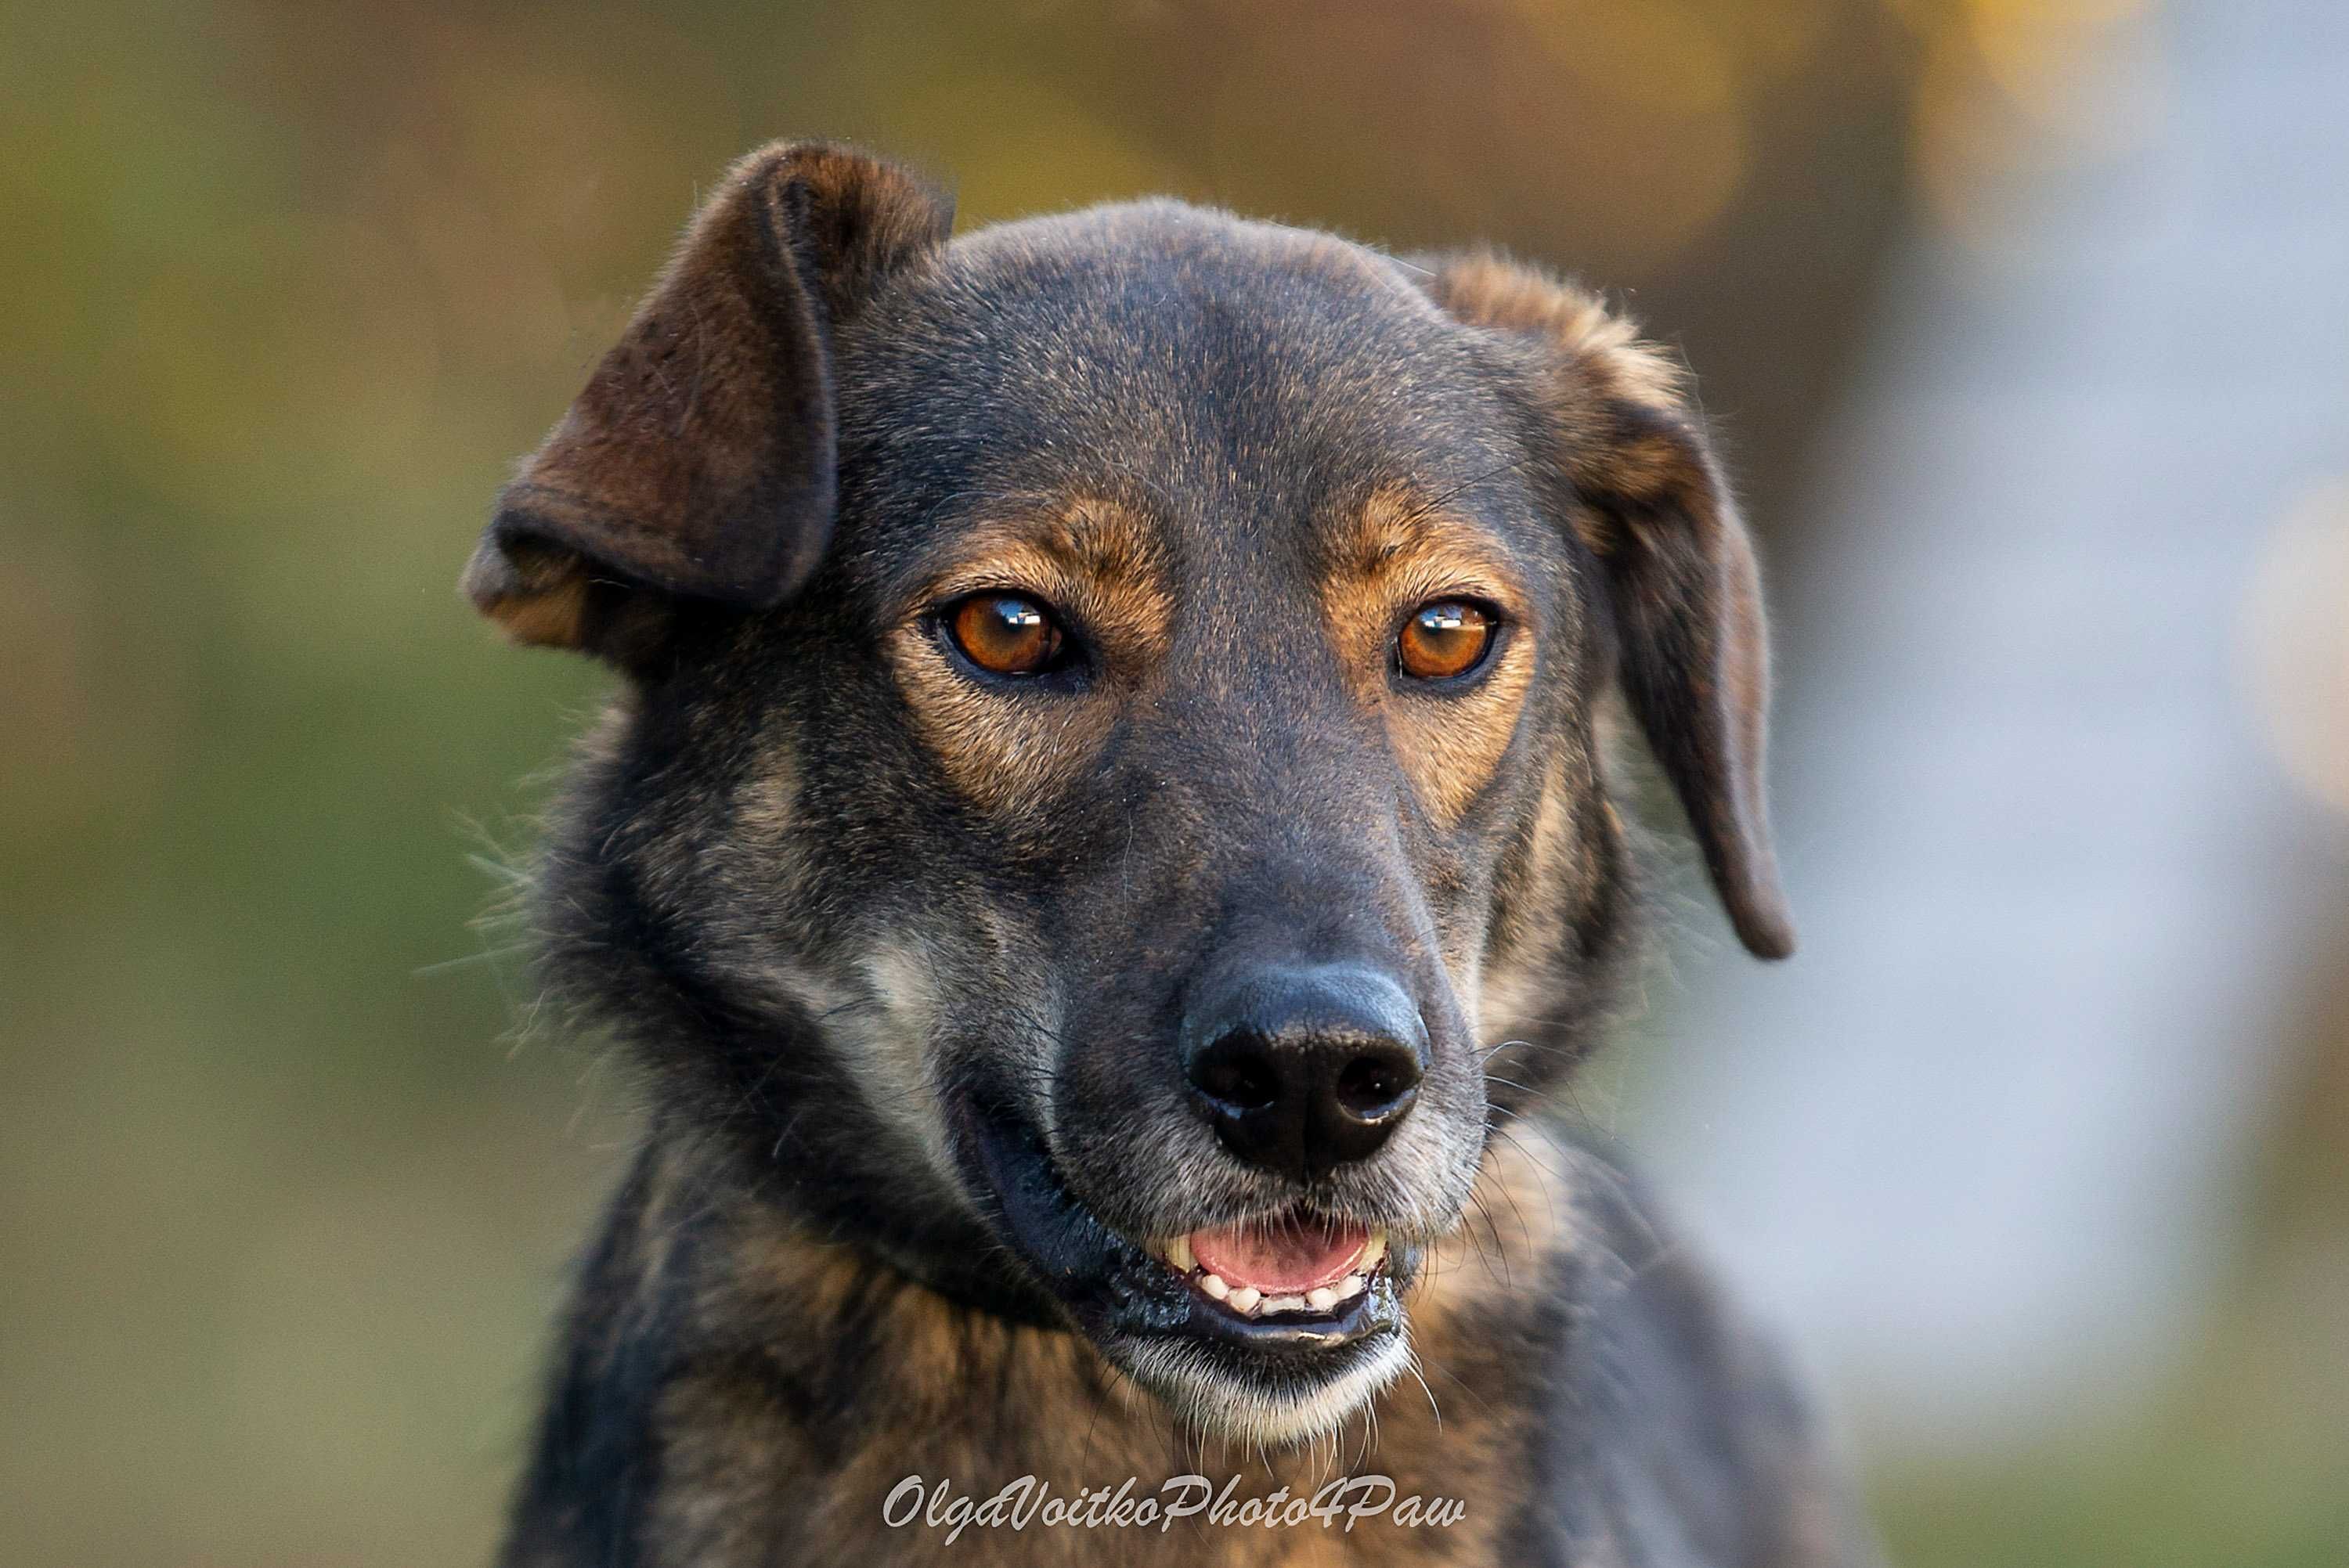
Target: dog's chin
{"x": 1268, "y": 1371}
{"x": 1266, "y": 1402}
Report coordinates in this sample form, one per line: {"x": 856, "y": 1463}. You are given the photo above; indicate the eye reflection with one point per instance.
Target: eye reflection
{"x": 1443, "y": 639}
{"x": 1006, "y": 634}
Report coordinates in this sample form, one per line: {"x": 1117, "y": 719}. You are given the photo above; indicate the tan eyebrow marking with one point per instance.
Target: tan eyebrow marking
{"x": 1399, "y": 552}
{"x": 1095, "y": 562}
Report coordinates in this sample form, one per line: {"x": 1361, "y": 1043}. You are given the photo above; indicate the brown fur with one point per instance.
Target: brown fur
{"x": 751, "y": 1477}
{"x": 748, "y": 1475}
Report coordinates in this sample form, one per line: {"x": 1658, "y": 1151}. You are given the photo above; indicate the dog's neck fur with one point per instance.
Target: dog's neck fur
{"x": 856, "y": 1376}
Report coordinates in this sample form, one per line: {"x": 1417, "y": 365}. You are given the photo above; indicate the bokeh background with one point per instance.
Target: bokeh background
{"x": 2026, "y": 321}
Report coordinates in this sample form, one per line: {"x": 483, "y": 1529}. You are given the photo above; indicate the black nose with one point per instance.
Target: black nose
{"x": 1301, "y": 1070}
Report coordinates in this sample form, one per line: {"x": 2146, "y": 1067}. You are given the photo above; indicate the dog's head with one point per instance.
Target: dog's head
{"x": 1109, "y": 751}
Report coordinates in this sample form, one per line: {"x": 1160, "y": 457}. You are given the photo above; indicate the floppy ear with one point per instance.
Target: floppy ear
{"x": 699, "y": 463}
{"x": 1631, "y": 471}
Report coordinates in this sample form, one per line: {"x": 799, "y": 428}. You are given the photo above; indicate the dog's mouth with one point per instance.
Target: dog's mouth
{"x": 1294, "y": 1265}
{"x": 1275, "y": 1325}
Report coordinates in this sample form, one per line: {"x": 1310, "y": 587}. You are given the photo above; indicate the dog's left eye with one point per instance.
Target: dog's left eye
{"x": 1447, "y": 638}
{"x": 1007, "y": 634}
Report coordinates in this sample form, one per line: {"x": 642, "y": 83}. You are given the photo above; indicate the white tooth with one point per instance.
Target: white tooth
{"x": 1285, "y": 1303}
{"x": 1178, "y": 1252}
{"x": 1372, "y": 1251}
{"x": 1214, "y": 1285}
{"x": 1244, "y": 1300}
{"x": 1350, "y": 1286}
{"x": 1321, "y": 1299}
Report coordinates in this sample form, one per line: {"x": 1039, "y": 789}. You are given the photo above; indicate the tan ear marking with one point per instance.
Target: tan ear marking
{"x": 1491, "y": 291}
{"x": 537, "y": 596}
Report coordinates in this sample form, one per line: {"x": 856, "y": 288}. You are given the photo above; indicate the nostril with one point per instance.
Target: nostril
{"x": 1236, "y": 1072}
{"x": 1361, "y": 1092}
{"x": 1255, "y": 1099}
{"x": 1374, "y": 1087}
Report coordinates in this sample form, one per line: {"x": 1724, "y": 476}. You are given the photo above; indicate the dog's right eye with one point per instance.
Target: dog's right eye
{"x": 1007, "y": 634}
{"x": 1444, "y": 640}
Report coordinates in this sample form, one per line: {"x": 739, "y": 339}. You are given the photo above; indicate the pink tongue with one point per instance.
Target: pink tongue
{"x": 1285, "y": 1259}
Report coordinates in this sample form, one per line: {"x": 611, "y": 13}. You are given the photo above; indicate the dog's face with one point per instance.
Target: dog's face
{"x": 1111, "y": 756}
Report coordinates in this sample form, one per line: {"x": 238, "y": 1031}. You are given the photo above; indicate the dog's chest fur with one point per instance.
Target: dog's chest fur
{"x": 736, "y": 1392}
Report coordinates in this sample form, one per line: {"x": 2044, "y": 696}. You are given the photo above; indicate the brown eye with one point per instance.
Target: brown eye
{"x": 1444, "y": 639}
{"x": 1006, "y": 635}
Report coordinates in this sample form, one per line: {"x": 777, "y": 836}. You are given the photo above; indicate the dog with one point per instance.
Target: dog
{"x": 1102, "y": 860}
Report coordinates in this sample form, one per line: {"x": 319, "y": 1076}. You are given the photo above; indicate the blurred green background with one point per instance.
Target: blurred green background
{"x": 285, "y": 289}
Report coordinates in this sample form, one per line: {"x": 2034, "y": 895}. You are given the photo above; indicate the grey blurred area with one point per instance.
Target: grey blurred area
{"x": 2027, "y": 326}
{"x": 1985, "y": 1150}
